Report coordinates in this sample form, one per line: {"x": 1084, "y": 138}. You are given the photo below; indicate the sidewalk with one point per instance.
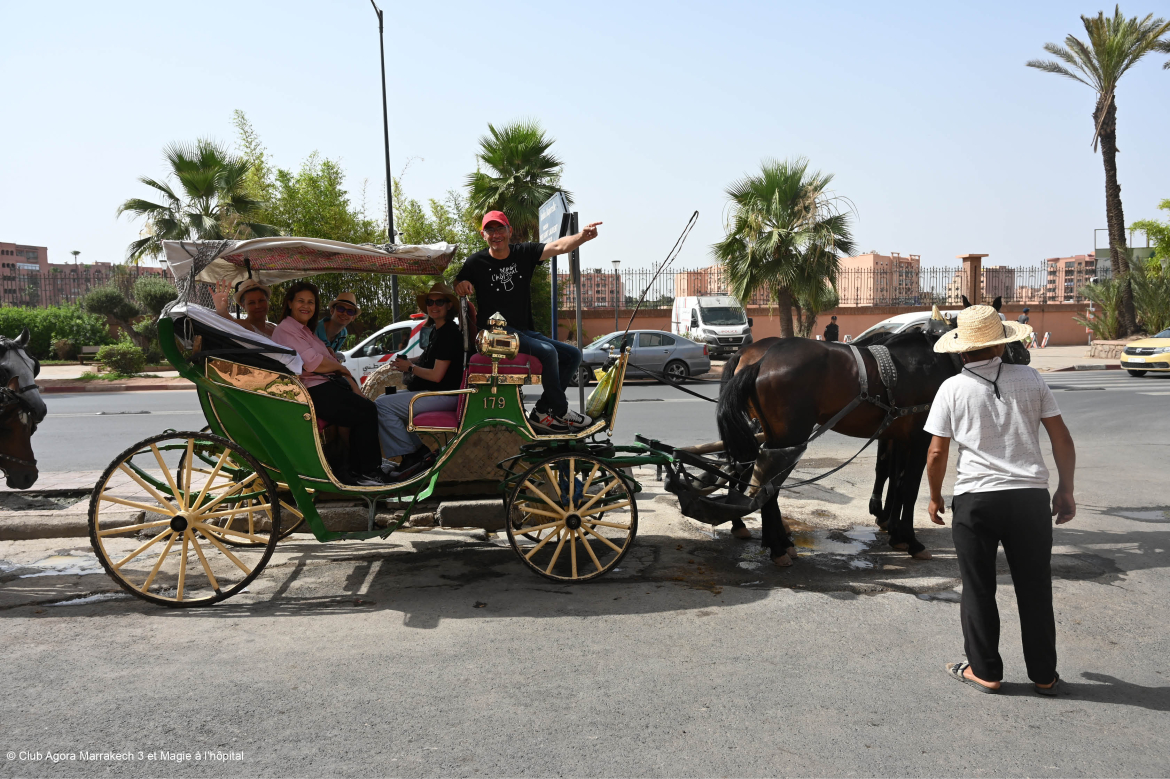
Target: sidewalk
{"x": 67, "y": 378}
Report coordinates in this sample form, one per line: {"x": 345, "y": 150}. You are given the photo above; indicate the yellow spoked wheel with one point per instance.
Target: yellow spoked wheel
{"x": 204, "y": 459}
{"x": 572, "y": 518}
{"x": 164, "y": 530}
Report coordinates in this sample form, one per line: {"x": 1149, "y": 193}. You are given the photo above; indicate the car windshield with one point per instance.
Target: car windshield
{"x": 724, "y": 315}
{"x": 1163, "y": 334}
{"x": 878, "y": 329}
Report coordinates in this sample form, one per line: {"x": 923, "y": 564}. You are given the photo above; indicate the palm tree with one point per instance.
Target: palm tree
{"x": 521, "y": 175}
{"x": 214, "y": 204}
{"x": 1115, "y": 44}
{"x": 784, "y": 232}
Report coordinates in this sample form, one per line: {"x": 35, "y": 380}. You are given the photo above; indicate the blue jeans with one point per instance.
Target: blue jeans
{"x": 559, "y": 362}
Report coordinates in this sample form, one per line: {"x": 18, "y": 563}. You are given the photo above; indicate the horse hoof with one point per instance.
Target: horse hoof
{"x": 901, "y": 547}
{"x": 783, "y": 561}
{"x": 923, "y": 555}
{"x": 741, "y": 532}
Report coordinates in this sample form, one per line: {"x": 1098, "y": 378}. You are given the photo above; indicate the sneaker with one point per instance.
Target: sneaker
{"x": 571, "y": 419}
{"x": 543, "y": 420}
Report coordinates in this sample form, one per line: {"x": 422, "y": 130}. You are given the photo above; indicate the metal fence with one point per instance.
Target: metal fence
{"x": 924, "y": 286}
{"x": 67, "y": 285}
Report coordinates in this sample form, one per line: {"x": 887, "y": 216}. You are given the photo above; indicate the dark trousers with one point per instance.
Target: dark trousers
{"x": 1022, "y": 521}
{"x": 340, "y": 405}
{"x": 559, "y": 362}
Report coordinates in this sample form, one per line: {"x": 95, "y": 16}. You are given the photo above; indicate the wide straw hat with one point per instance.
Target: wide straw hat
{"x": 439, "y": 289}
{"x": 346, "y": 297}
{"x": 246, "y": 286}
{"x": 980, "y": 327}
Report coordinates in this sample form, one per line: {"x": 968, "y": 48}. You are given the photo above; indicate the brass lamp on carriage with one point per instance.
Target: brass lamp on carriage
{"x": 498, "y": 344}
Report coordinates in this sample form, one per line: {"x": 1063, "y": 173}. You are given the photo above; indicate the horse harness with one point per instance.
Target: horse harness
{"x": 13, "y": 400}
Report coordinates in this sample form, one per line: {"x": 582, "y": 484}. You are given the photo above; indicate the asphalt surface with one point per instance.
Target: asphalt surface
{"x": 436, "y": 654}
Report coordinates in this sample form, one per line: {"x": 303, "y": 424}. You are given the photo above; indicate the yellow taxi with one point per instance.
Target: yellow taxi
{"x": 1148, "y": 354}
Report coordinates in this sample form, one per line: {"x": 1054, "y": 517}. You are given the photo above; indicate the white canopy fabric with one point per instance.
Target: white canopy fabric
{"x": 238, "y": 333}
{"x": 274, "y": 260}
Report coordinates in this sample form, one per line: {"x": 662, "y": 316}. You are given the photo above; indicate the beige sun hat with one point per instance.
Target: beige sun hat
{"x": 438, "y": 289}
{"x": 246, "y": 286}
{"x": 346, "y": 297}
{"x": 980, "y": 327}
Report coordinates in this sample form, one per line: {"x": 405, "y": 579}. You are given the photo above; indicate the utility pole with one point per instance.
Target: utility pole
{"x": 617, "y": 294}
{"x": 75, "y": 253}
{"x": 389, "y": 181}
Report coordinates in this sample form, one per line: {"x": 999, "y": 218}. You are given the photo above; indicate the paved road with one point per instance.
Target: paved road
{"x": 436, "y": 654}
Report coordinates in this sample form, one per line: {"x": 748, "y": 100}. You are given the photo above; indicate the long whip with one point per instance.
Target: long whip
{"x": 674, "y": 252}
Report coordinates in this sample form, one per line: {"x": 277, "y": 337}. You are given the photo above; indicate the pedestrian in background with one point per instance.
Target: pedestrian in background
{"x": 1023, "y": 318}
{"x": 994, "y": 412}
{"x": 831, "y": 330}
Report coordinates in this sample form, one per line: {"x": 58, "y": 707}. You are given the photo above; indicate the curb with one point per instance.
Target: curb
{"x": 83, "y": 387}
{"x": 1090, "y": 367}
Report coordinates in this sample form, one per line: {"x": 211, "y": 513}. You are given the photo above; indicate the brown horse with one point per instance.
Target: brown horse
{"x": 21, "y": 410}
{"x": 796, "y": 384}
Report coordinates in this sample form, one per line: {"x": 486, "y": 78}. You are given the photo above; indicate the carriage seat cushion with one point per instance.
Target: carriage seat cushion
{"x": 437, "y": 419}
{"x": 521, "y": 364}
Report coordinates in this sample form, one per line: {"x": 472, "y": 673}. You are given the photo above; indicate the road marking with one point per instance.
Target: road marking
{"x": 117, "y": 414}
{"x": 1154, "y": 393}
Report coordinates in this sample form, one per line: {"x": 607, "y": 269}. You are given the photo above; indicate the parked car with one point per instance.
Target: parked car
{"x": 716, "y": 320}
{"x": 904, "y": 323}
{"x": 667, "y": 353}
{"x": 1147, "y": 354}
{"x": 379, "y": 348}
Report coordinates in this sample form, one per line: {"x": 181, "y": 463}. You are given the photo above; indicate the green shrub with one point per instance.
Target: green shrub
{"x": 1151, "y": 296}
{"x": 53, "y": 323}
{"x": 65, "y": 350}
{"x": 1106, "y": 297}
{"x": 153, "y": 293}
{"x": 109, "y": 301}
{"x": 122, "y": 357}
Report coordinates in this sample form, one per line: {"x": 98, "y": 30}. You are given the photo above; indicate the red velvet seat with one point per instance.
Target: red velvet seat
{"x": 449, "y": 419}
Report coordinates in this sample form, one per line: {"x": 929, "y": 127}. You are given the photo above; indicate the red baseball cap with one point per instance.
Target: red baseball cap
{"x": 495, "y": 216}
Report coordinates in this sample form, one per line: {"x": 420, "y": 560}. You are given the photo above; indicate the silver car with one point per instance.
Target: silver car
{"x": 666, "y": 353}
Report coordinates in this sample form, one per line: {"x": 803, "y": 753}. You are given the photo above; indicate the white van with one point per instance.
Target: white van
{"x": 716, "y": 320}
{"x": 379, "y": 348}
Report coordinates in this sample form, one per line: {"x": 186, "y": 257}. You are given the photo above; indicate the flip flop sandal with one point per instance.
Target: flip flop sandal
{"x": 955, "y": 671}
{"x": 1052, "y": 691}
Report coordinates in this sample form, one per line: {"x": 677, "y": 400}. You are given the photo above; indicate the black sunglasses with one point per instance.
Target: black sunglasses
{"x": 436, "y": 301}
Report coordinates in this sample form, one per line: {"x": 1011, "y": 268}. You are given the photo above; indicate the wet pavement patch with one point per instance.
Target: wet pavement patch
{"x": 1146, "y": 514}
{"x": 45, "y": 501}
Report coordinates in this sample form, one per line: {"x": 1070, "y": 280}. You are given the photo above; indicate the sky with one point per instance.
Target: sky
{"x": 944, "y": 142}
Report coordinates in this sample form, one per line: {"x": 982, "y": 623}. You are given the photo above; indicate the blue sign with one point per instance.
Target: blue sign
{"x": 554, "y": 222}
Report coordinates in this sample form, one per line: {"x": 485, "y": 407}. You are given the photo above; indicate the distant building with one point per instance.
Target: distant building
{"x": 1066, "y": 276}
{"x": 712, "y": 281}
{"x": 998, "y": 281}
{"x": 599, "y": 289}
{"x": 27, "y": 278}
{"x": 874, "y": 279}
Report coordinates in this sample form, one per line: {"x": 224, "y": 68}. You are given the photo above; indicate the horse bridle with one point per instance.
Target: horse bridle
{"x": 14, "y": 401}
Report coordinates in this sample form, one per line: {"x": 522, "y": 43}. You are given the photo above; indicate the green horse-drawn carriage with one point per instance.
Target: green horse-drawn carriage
{"x": 190, "y": 518}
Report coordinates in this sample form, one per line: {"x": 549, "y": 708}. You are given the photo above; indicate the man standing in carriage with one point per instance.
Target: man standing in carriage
{"x": 501, "y": 277}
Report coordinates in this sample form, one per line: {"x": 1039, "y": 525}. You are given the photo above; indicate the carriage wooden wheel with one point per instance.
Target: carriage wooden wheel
{"x": 571, "y": 517}
{"x": 159, "y": 529}
{"x": 204, "y": 462}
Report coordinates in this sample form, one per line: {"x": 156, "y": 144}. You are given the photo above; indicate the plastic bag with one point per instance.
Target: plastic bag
{"x": 599, "y": 399}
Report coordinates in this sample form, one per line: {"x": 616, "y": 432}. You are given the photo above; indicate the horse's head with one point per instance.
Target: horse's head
{"x": 21, "y": 410}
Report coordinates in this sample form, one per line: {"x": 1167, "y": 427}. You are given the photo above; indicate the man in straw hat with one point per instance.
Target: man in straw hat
{"x": 994, "y": 412}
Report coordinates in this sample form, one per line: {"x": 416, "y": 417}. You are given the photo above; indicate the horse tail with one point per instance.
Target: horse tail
{"x": 728, "y": 371}
{"x": 731, "y": 414}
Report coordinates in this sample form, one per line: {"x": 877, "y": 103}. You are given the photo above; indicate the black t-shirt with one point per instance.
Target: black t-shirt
{"x": 831, "y": 332}
{"x": 446, "y": 344}
{"x": 504, "y": 286}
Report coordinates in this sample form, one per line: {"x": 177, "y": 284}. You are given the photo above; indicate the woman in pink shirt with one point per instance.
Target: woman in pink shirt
{"x": 336, "y": 396}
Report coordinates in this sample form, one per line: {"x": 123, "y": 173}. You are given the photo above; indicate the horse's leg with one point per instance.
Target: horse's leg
{"x": 775, "y": 537}
{"x": 882, "y": 469}
{"x": 911, "y": 482}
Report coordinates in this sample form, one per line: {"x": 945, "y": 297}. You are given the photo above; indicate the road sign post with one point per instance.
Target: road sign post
{"x": 554, "y": 224}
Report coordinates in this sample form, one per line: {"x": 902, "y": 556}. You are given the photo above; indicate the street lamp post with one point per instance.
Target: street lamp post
{"x": 389, "y": 182}
{"x": 617, "y": 294}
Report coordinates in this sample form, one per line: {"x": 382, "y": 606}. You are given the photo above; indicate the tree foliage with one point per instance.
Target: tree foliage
{"x": 1159, "y": 235}
{"x": 1106, "y": 297}
{"x": 207, "y": 200}
{"x": 1113, "y": 45}
{"x": 153, "y": 293}
{"x": 785, "y": 233}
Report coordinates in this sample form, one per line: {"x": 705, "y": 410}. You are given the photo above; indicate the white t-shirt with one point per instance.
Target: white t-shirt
{"x": 998, "y": 438}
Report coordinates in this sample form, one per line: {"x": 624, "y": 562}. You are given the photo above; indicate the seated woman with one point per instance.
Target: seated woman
{"x": 252, "y": 296}
{"x": 335, "y": 394}
{"x": 333, "y": 329}
{"x": 439, "y": 368}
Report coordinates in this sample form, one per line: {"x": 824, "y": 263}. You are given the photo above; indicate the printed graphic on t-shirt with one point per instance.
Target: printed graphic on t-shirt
{"x": 503, "y": 280}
